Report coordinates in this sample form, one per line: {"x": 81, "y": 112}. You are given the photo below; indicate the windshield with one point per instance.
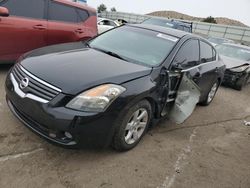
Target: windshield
{"x": 234, "y": 52}
{"x": 159, "y": 22}
{"x": 135, "y": 45}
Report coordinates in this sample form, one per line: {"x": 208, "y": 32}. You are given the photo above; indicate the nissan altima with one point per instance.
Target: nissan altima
{"x": 110, "y": 90}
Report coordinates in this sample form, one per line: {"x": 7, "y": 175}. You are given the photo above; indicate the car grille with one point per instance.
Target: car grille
{"x": 36, "y": 86}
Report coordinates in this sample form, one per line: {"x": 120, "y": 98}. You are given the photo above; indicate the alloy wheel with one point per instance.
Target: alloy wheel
{"x": 136, "y": 126}
{"x": 212, "y": 92}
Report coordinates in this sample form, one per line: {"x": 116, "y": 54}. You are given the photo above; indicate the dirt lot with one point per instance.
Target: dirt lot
{"x": 211, "y": 149}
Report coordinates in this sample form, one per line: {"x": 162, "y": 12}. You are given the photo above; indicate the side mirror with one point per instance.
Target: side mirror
{"x": 4, "y": 12}
{"x": 177, "y": 67}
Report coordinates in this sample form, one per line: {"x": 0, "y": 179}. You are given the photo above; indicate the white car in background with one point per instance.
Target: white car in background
{"x": 106, "y": 24}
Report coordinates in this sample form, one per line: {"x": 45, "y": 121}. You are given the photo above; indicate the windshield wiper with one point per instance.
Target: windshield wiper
{"x": 110, "y": 53}
{"x": 115, "y": 55}
{"x": 87, "y": 44}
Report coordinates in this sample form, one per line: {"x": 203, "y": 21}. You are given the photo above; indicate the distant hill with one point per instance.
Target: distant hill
{"x": 177, "y": 15}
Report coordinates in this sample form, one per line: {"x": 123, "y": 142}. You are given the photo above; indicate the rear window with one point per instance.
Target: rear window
{"x": 159, "y": 22}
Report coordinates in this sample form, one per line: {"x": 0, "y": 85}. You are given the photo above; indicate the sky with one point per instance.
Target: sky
{"x": 238, "y": 10}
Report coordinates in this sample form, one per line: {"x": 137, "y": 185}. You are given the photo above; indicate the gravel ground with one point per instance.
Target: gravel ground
{"x": 211, "y": 149}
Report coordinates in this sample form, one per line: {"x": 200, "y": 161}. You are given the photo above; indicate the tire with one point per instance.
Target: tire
{"x": 127, "y": 128}
{"x": 211, "y": 94}
{"x": 242, "y": 82}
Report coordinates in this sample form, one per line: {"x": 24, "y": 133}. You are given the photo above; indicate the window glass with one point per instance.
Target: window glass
{"x": 159, "y": 22}
{"x": 82, "y": 15}
{"x": 188, "y": 55}
{"x": 180, "y": 27}
{"x": 107, "y": 22}
{"x": 207, "y": 54}
{"x": 136, "y": 45}
{"x": 60, "y": 12}
{"x": 112, "y": 24}
{"x": 187, "y": 29}
{"x": 25, "y": 8}
{"x": 236, "y": 52}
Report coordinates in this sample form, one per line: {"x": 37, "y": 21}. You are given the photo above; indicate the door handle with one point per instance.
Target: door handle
{"x": 79, "y": 31}
{"x": 39, "y": 27}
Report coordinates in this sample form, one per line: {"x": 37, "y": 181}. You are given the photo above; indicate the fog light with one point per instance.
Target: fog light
{"x": 68, "y": 135}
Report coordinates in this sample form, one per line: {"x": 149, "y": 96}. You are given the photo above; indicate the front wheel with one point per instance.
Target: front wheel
{"x": 132, "y": 126}
{"x": 211, "y": 94}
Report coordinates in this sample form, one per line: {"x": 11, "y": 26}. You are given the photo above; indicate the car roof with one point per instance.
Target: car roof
{"x": 75, "y": 4}
{"x": 165, "y": 30}
{"x": 238, "y": 45}
{"x": 183, "y": 23}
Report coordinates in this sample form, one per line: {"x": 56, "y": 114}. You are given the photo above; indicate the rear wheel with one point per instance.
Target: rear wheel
{"x": 211, "y": 94}
{"x": 132, "y": 127}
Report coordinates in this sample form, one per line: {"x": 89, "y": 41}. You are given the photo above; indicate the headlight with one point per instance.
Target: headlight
{"x": 239, "y": 69}
{"x": 97, "y": 99}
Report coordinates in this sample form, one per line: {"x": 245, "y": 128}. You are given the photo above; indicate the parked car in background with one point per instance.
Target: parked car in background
{"x": 27, "y": 24}
{"x": 121, "y": 21}
{"x": 237, "y": 60}
{"x": 120, "y": 85}
{"x": 106, "y": 24}
{"x": 216, "y": 40}
{"x": 180, "y": 25}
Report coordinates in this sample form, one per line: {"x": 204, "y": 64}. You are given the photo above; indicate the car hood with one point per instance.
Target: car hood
{"x": 233, "y": 63}
{"x": 75, "y": 69}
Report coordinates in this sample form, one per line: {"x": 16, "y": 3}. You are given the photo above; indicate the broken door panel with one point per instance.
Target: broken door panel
{"x": 173, "y": 83}
{"x": 188, "y": 96}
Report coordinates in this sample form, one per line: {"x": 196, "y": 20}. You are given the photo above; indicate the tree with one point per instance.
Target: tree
{"x": 101, "y": 8}
{"x": 210, "y": 19}
{"x": 113, "y": 9}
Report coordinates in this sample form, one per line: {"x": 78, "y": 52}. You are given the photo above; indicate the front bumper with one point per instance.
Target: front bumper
{"x": 60, "y": 125}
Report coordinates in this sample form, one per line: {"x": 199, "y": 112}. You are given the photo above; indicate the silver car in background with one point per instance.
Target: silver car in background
{"x": 237, "y": 60}
{"x": 106, "y": 24}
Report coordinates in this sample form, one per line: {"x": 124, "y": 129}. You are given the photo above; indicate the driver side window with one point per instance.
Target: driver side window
{"x": 188, "y": 55}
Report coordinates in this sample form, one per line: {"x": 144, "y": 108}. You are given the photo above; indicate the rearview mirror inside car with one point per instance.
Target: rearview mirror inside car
{"x": 4, "y": 12}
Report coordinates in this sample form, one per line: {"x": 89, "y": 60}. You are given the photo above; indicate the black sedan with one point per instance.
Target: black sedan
{"x": 111, "y": 89}
{"x": 237, "y": 60}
